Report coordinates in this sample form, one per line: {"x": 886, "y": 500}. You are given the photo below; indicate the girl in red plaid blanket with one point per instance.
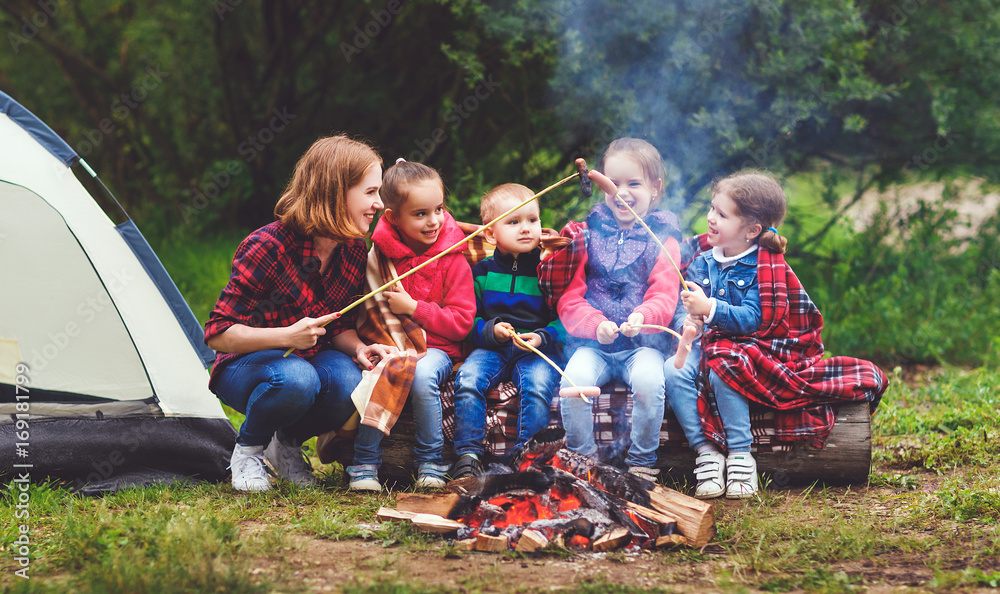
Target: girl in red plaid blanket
{"x": 622, "y": 280}
{"x": 440, "y": 298}
{"x": 725, "y": 298}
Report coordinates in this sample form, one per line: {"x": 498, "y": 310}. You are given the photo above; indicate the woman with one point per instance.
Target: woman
{"x": 286, "y": 279}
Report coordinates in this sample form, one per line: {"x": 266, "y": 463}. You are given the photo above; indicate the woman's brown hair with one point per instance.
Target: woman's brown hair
{"x": 760, "y": 199}
{"x": 315, "y": 201}
{"x": 648, "y": 159}
{"x": 400, "y": 177}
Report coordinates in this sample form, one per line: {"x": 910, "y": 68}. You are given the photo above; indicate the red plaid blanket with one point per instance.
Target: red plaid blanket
{"x": 781, "y": 366}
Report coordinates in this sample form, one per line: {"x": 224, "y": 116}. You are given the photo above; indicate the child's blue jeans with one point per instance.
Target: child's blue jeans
{"x": 482, "y": 371}
{"x": 682, "y": 394}
{"x": 642, "y": 370}
{"x": 433, "y": 369}
{"x": 296, "y": 397}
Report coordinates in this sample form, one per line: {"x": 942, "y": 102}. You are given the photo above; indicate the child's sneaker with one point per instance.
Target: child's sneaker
{"x": 467, "y": 466}
{"x": 708, "y": 471}
{"x": 364, "y": 477}
{"x": 247, "y": 464}
{"x": 431, "y": 476}
{"x": 650, "y": 474}
{"x": 741, "y": 476}
{"x": 289, "y": 462}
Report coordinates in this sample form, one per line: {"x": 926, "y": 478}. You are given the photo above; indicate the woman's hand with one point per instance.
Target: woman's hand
{"x": 532, "y": 338}
{"x": 305, "y": 333}
{"x": 607, "y": 332}
{"x": 368, "y": 355}
{"x": 695, "y": 300}
{"x": 631, "y": 327}
{"x": 502, "y": 331}
{"x": 400, "y": 302}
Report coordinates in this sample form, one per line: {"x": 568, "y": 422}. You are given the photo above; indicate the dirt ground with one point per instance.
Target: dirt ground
{"x": 326, "y": 566}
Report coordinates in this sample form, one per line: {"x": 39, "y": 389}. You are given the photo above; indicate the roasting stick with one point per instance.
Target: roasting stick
{"x": 463, "y": 241}
{"x": 660, "y": 328}
{"x": 581, "y": 391}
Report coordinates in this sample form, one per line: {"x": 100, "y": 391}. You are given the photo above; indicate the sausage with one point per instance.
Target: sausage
{"x": 586, "y": 186}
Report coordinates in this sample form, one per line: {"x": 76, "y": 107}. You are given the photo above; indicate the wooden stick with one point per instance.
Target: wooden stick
{"x": 467, "y": 238}
{"x": 656, "y": 327}
{"x": 521, "y": 341}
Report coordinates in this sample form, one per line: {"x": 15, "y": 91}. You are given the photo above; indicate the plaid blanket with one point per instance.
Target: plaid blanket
{"x": 781, "y": 366}
{"x": 555, "y": 271}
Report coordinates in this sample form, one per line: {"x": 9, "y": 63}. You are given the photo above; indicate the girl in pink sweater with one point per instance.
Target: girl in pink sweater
{"x": 440, "y": 298}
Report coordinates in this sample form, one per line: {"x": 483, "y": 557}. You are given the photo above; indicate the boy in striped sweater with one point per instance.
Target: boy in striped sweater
{"x": 508, "y": 302}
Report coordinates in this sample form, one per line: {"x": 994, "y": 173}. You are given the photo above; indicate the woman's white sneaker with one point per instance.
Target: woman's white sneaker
{"x": 248, "y": 469}
{"x": 709, "y": 469}
{"x": 741, "y": 476}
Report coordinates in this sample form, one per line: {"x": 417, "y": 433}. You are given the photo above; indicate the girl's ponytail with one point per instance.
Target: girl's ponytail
{"x": 771, "y": 240}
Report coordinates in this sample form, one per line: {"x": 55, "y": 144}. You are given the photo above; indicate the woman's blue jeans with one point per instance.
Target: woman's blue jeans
{"x": 433, "y": 369}
{"x": 485, "y": 368}
{"x": 642, "y": 370}
{"x": 297, "y": 398}
{"x": 682, "y": 394}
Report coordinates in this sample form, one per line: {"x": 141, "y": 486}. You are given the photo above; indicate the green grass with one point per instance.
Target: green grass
{"x": 933, "y": 505}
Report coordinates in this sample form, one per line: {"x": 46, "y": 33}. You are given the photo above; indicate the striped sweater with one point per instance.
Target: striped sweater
{"x": 507, "y": 291}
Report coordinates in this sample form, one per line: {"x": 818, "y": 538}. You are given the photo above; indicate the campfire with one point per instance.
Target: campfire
{"x": 553, "y": 495}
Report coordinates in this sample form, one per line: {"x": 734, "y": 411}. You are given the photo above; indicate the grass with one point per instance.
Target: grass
{"x": 929, "y": 518}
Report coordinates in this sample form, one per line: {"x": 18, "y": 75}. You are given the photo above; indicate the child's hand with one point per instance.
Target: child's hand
{"x": 631, "y": 327}
{"x": 696, "y": 323}
{"x": 400, "y": 303}
{"x": 502, "y": 331}
{"x": 695, "y": 300}
{"x": 607, "y": 332}
{"x": 369, "y": 355}
{"x": 531, "y": 338}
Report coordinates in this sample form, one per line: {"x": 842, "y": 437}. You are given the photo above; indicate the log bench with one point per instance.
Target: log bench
{"x": 845, "y": 459}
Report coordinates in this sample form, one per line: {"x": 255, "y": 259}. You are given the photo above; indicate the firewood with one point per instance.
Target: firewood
{"x": 387, "y": 514}
{"x": 651, "y": 514}
{"x": 531, "y": 541}
{"x": 433, "y": 523}
{"x": 671, "y": 539}
{"x": 437, "y": 504}
{"x": 491, "y": 544}
{"x": 468, "y": 544}
{"x": 695, "y": 518}
{"x": 613, "y": 540}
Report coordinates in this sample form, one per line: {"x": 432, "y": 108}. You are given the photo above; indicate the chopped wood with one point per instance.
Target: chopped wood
{"x": 695, "y": 518}
{"x": 613, "y": 540}
{"x": 438, "y": 504}
{"x": 491, "y": 544}
{"x": 531, "y": 541}
{"x": 670, "y": 540}
{"x": 651, "y": 514}
{"x": 434, "y": 523}
{"x": 387, "y": 514}
{"x": 469, "y": 544}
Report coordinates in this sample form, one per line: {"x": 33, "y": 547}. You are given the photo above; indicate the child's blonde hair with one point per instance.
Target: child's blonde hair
{"x": 760, "y": 199}
{"x": 647, "y": 157}
{"x": 400, "y": 177}
{"x": 489, "y": 208}
{"x": 315, "y": 201}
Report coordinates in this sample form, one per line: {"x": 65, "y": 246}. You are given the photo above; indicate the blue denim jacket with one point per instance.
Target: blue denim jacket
{"x": 737, "y": 307}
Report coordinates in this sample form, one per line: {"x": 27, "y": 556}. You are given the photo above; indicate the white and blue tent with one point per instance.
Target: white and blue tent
{"x": 103, "y": 379}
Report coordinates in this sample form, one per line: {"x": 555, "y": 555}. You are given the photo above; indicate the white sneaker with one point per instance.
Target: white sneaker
{"x": 708, "y": 470}
{"x": 364, "y": 477}
{"x": 741, "y": 476}
{"x": 248, "y": 469}
{"x": 289, "y": 462}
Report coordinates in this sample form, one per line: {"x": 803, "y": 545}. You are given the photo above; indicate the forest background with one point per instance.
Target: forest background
{"x": 194, "y": 113}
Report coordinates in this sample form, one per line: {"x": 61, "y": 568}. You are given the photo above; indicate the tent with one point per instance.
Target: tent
{"x": 103, "y": 379}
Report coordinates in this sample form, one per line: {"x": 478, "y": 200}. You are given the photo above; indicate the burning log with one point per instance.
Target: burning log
{"x": 540, "y": 449}
{"x": 531, "y": 541}
{"x": 612, "y": 541}
{"x": 694, "y": 517}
